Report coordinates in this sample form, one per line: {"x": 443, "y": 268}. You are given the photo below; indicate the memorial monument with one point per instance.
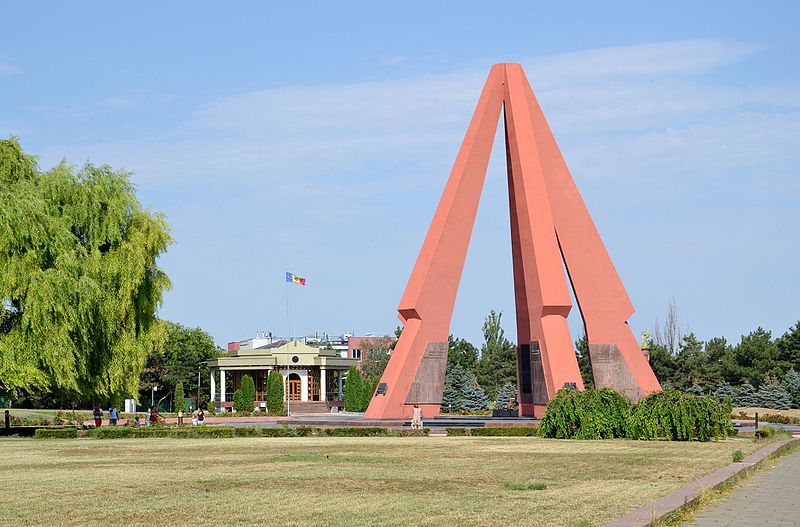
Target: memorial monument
{"x": 550, "y": 229}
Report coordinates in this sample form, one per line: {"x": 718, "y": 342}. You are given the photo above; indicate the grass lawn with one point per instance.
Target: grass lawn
{"x": 342, "y": 481}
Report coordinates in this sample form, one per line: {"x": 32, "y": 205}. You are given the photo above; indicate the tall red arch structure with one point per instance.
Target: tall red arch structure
{"x": 550, "y": 229}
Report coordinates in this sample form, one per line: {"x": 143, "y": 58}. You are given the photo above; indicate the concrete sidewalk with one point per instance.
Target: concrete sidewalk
{"x": 769, "y": 498}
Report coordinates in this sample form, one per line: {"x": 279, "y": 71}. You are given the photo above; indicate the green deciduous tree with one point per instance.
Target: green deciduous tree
{"x": 584, "y": 362}
{"x": 461, "y": 352}
{"x": 183, "y": 355}
{"x": 275, "y": 393}
{"x": 79, "y": 284}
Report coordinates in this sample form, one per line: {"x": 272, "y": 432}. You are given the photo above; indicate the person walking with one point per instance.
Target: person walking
{"x": 98, "y": 416}
{"x": 113, "y": 415}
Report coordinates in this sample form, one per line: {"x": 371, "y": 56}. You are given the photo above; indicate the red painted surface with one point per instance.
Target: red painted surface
{"x": 233, "y": 346}
{"x": 549, "y": 221}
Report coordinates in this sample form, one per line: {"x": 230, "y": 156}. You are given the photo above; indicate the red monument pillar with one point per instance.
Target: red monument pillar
{"x": 550, "y": 227}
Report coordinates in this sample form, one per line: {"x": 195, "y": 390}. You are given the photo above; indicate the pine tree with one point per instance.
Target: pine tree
{"x": 791, "y": 384}
{"x": 506, "y": 398}
{"x": 353, "y": 398}
{"x": 746, "y": 396}
{"x": 454, "y": 383}
{"x": 725, "y": 390}
{"x": 773, "y": 396}
{"x": 368, "y": 386}
{"x": 178, "y": 396}
{"x": 275, "y": 393}
{"x": 475, "y": 399}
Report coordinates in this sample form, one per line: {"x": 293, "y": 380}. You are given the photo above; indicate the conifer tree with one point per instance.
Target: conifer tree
{"x": 506, "y": 397}
{"x": 791, "y": 384}
{"x": 353, "y": 397}
{"x": 275, "y": 393}
{"x": 474, "y": 398}
{"x": 178, "y": 396}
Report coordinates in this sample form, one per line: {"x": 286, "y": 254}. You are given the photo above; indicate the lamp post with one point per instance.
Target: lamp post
{"x": 153, "y": 391}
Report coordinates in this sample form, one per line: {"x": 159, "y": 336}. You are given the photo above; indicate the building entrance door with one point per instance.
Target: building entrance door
{"x": 293, "y": 387}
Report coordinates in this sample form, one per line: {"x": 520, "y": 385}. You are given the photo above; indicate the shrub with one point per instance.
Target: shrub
{"x": 678, "y": 416}
{"x": 505, "y": 431}
{"x": 737, "y": 456}
{"x": 353, "y": 398}
{"x": 244, "y": 398}
{"x": 56, "y": 433}
{"x": 458, "y": 432}
{"x": 275, "y": 394}
{"x": 765, "y": 432}
{"x": 592, "y": 414}
{"x": 365, "y": 431}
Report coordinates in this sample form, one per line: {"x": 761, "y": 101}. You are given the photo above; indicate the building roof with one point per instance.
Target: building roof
{"x": 282, "y": 353}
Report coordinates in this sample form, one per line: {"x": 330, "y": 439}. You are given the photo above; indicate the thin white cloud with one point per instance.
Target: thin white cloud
{"x": 7, "y": 70}
{"x": 621, "y": 112}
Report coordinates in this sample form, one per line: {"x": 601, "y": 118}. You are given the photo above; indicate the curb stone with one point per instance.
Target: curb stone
{"x": 688, "y": 494}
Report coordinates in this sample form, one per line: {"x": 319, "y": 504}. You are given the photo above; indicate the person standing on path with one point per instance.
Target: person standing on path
{"x": 113, "y": 415}
{"x": 98, "y": 416}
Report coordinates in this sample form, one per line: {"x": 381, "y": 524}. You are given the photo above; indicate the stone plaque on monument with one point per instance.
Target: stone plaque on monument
{"x": 428, "y": 383}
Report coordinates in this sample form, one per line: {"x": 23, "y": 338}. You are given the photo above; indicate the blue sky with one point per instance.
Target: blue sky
{"x": 319, "y": 139}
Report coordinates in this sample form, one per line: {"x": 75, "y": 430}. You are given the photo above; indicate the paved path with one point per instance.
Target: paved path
{"x": 768, "y": 498}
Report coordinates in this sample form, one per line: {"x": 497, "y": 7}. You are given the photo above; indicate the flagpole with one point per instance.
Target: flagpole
{"x": 288, "y": 412}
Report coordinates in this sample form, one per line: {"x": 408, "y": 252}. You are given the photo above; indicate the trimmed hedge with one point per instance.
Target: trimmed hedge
{"x": 56, "y": 433}
{"x": 494, "y": 431}
{"x": 123, "y": 432}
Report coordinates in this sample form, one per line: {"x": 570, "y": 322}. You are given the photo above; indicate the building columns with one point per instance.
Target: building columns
{"x": 323, "y": 384}
{"x": 221, "y": 386}
{"x": 213, "y": 389}
{"x": 341, "y": 391}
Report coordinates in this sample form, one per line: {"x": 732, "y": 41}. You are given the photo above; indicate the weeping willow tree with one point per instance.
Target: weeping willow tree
{"x": 79, "y": 284}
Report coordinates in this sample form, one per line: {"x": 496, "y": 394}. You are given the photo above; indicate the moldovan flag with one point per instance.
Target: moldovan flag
{"x": 294, "y": 279}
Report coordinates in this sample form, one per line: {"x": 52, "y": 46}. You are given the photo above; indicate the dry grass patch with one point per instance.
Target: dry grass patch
{"x": 335, "y": 481}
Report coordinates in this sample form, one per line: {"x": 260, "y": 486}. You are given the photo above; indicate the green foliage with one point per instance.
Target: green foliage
{"x": 375, "y": 357}
{"x": 506, "y": 397}
{"x": 789, "y": 346}
{"x": 181, "y": 357}
{"x": 56, "y": 433}
{"x": 79, "y": 284}
{"x": 275, "y": 404}
{"x": 461, "y": 353}
{"x": 353, "y": 391}
{"x": 178, "y": 396}
{"x": 765, "y": 432}
{"x": 753, "y": 360}
{"x": 498, "y": 362}
{"x": 462, "y": 392}
{"x": 368, "y": 386}
{"x": 678, "y": 416}
{"x": 584, "y": 362}
{"x": 592, "y": 414}
{"x": 244, "y": 398}
{"x": 737, "y": 456}
{"x": 791, "y": 385}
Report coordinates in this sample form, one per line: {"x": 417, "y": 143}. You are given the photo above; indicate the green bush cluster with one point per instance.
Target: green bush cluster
{"x": 56, "y": 433}
{"x": 256, "y": 431}
{"x": 591, "y": 414}
{"x": 765, "y": 432}
{"x": 606, "y": 414}
{"x": 678, "y": 416}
